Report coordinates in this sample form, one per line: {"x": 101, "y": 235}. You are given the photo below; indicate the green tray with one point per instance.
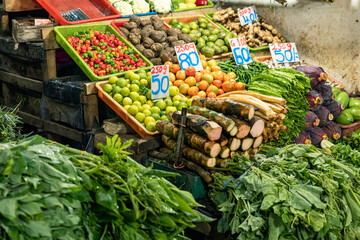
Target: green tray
{"x": 210, "y": 15}
{"x": 64, "y": 31}
{"x": 210, "y": 5}
{"x": 187, "y": 181}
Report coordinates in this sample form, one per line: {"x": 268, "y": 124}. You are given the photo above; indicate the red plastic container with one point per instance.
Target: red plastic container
{"x": 96, "y": 10}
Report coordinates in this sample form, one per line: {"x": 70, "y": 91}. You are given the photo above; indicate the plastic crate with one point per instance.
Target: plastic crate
{"x": 140, "y": 14}
{"x": 187, "y": 180}
{"x": 140, "y": 129}
{"x": 64, "y": 31}
{"x": 96, "y": 10}
{"x": 210, "y": 5}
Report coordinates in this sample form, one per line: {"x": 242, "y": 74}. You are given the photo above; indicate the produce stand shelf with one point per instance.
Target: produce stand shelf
{"x": 64, "y": 31}
{"x": 209, "y": 5}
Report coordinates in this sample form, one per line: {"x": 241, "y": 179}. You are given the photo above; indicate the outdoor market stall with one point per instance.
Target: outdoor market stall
{"x": 244, "y": 137}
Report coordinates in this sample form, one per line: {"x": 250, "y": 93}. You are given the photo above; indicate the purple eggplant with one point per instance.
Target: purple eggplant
{"x": 335, "y": 108}
{"x": 326, "y": 93}
{"x": 324, "y": 115}
{"x": 317, "y": 135}
{"x": 333, "y": 130}
{"x": 311, "y": 119}
{"x": 303, "y": 138}
{"x": 314, "y": 99}
{"x": 317, "y": 74}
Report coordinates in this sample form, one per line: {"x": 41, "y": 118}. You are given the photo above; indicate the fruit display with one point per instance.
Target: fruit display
{"x": 209, "y": 38}
{"x": 259, "y": 34}
{"x": 133, "y": 94}
{"x": 183, "y": 5}
{"x": 210, "y": 82}
{"x": 104, "y": 53}
{"x": 152, "y": 39}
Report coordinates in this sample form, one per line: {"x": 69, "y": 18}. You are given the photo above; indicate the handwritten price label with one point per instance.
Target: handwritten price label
{"x": 159, "y": 81}
{"x": 247, "y": 15}
{"x": 240, "y": 50}
{"x": 188, "y": 56}
{"x": 284, "y": 52}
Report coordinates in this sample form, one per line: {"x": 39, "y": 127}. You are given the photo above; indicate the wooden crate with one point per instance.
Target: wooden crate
{"x": 24, "y": 30}
{"x": 20, "y": 5}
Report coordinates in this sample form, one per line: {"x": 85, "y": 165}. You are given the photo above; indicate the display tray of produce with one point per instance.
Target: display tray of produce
{"x": 258, "y": 36}
{"x": 122, "y": 112}
{"x": 267, "y": 60}
{"x": 210, "y": 39}
{"x": 91, "y": 51}
{"x": 152, "y": 38}
{"x": 182, "y": 5}
{"x": 69, "y": 12}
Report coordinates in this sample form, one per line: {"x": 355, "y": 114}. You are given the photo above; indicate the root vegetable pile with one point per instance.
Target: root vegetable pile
{"x": 153, "y": 40}
{"x": 104, "y": 53}
{"x": 259, "y": 34}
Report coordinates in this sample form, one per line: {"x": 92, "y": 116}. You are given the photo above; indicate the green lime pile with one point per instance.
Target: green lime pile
{"x": 133, "y": 93}
{"x": 209, "y": 40}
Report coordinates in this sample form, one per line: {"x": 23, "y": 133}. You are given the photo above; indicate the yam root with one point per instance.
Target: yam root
{"x": 257, "y": 126}
{"x": 225, "y": 152}
{"x": 243, "y": 127}
{"x": 226, "y": 107}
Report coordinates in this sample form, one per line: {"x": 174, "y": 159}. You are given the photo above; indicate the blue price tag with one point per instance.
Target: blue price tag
{"x": 240, "y": 50}
{"x": 188, "y": 56}
{"x": 247, "y": 15}
{"x": 160, "y": 82}
{"x": 284, "y": 52}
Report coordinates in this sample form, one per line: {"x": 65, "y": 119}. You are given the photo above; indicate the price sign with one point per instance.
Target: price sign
{"x": 240, "y": 50}
{"x": 188, "y": 56}
{"x": 247, "y": 15}
{"x": 284, "y": 52}
{"x": 159, "y": 81}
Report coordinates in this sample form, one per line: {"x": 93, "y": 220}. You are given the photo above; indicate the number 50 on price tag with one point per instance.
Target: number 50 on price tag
{"x": 188, "y": 56}
{"x": 240, "y": 50}
{"x": 159, "y": 82}
{"x": 284, "y": 52}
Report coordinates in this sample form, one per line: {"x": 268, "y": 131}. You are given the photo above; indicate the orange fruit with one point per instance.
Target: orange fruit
{"x": 228, "y": 86}
{"x": 203, "y": 85}
{"x": 180, "y": 75}
{"x": 212, "y": 88}
{"x": 212, "y": 62}
{"x": 193, "y": 91}
{"x": 202, "y": 94}
{"x": 190, "y": 71}
{"x": 172, "y": 77}
{"x": 221, "y": 92}
{"x": 204, "y": 63}
{"x": 217, "y": 83}
{"x": 218, "y": 75}
{"x": 168, "y": 63}
{"x": 177, "y": 83}
{"x": 184, "y": 88}
{"x": 226, "y": 78}
{"x": 198, "y": 76}
{"x": 211, "y": 95}
{"x": 175, "y": 68}
{"x": 231, "y": 75}
{"x": 191, "y": 81}
{"x": 208, "y": 77}
{"x": 208, "y": 69}
{"x": 202, "y": 57}
{"x": 239, "y": 86}
{"x": 215, "y": 68}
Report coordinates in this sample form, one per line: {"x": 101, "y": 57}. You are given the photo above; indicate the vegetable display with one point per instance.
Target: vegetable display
{"x": 299, "y": 193}
{"x": 131, "y": 7}
{"x": 152, "y": 39}
{"x": 259, "y": 34}
{"x": 104, "y": 53}
{"x": 292, "y": 86}
{"x": 56, "y": 192}
{"x": 351, "y": 108}
{"x": 209, "y": 38}
{"x": 188, "y": 4}
{"x": 10, "y": 129}
{"x": 132, "y": 92}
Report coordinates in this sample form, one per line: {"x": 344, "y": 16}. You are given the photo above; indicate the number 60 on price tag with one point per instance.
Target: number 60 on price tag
{"x": 159, "y": 82}
{"x": 240, "y": 50}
